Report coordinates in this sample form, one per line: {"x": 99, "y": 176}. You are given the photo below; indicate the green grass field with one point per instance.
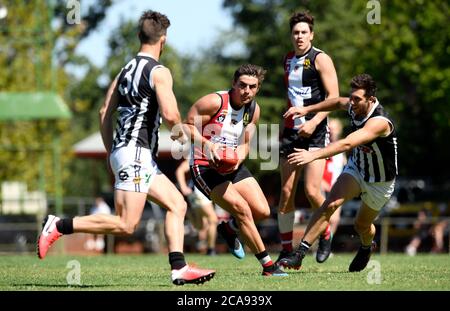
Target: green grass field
{"x": 151, "y": 272}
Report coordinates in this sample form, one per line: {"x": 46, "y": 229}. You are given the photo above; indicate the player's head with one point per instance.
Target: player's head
{"x": 302, "y": 17}
{"x": 363, "y": 93}
{"x": 365, "y": 82}
{"x": 247, "y": 80}
{"x": 152, "y": 27}
{"x": 301, "y": 25}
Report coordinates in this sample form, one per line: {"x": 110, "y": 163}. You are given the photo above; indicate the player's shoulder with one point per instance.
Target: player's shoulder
{"x": 289, "y": 55}
{"x": 209, "y": 103}
{"x": 161, "y": 74}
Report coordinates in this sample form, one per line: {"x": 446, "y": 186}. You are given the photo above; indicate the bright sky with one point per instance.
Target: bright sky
{"x": 194, "y": 24}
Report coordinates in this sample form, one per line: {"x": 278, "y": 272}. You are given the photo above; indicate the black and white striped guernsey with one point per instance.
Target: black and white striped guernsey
{"x": 376, "y": 160}
{"x": 138, "y": 118}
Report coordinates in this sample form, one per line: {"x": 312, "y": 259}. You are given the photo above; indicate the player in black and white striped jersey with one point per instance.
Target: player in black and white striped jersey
{"x": 369, "y": 173}
{"x": 141, "y": 95}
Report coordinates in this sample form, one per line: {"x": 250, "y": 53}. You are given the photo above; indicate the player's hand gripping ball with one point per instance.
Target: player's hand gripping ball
{"x": 228, "y": 160}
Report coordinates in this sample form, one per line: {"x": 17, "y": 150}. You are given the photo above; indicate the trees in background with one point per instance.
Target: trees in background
{"x": 407, "y": 53}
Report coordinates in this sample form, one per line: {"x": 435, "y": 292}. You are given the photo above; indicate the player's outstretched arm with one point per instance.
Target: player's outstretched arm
{"x": 374, "y": 128}
{"x": 106, "y": 113}
{"x": 329, "y": 104}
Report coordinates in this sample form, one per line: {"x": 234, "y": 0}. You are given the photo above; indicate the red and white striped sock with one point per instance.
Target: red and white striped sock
{"x": 286, "y": 227}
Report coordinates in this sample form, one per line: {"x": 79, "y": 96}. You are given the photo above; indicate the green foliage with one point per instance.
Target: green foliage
{"x": 407, "y": 54}
{"x": 34, "y": 38}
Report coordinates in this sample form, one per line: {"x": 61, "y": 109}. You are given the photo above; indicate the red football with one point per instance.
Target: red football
{"x": 228, "y": 160}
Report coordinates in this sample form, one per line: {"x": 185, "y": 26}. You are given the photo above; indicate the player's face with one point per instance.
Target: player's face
{"x": 245, "y": 89}
{"x": 359, "y": 103}
{"x": 301, "y": 37}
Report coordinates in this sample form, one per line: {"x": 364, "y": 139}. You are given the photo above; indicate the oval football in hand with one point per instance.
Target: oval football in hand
{"x": 228, "y": 160}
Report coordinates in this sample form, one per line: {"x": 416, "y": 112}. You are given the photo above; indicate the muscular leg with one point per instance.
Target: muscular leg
{"x": 129, "y": 205}
{"x": 313, "y": 181}
{"x": 343, "y": 190}
{"x": 335, "y": 219}
{"x": 364, "y": 224}
{"x": 290, "y": 175}
{"x": 249, "y": 189}
{"x": 176, "y": 211}
{"x": 227, "y": 197}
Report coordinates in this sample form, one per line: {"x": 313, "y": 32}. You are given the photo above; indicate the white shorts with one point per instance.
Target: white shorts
{"x": 374, "y": 194}
{"x": 202, "y": 199}
{"x": 133, "y": 168}
{"x": 197, "y": 199}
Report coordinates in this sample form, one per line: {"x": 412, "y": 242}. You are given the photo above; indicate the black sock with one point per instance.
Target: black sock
{"x": 65, "y": 226}
{"x": 304, "y": 246}
{"x": 176, "y": 260}
{"x": 365, "y": 247}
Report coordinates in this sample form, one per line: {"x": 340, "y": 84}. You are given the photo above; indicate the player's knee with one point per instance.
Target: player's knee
{"x": 332, "y": 205}
{"x": 213, "y": 220}
{"x": 127, "y": 228}
{"x": 313, "y": 195}
{"x": 179, "y": 207}
{"x": 286, "y": 191}
{"x": 263, "y": 212}
{"x": 242, "y": 212}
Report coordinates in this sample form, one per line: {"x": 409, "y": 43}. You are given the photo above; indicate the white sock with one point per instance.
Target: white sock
{"x": 286, "y": 222}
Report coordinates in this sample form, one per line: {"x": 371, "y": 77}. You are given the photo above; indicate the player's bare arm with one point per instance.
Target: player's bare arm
{"x": 163, "y": 82}
{"x": 200, "y": 114}
{"x": 330, "y": 104}
{"x": 374, "y": 128}
{"x": 328, "y": 75}
{"x": 106, "y": 113}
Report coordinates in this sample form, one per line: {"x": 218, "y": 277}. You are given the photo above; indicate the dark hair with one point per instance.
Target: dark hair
{"x": 152, "y": 26}
{"x": 365, "y": 82}
{"x": 299, "y": 17}
{"x": 250, "y": 70}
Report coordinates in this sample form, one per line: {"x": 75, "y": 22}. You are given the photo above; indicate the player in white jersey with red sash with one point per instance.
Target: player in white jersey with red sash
{"x": 229, "y": 118}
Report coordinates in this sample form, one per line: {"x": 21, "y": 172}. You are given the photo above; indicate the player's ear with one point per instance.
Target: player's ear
{"x": 163, "y": 39}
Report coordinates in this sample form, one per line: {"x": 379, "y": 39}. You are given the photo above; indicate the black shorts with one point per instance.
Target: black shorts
{"x": 290, "y": 139}
{"x": 206, "y": 178}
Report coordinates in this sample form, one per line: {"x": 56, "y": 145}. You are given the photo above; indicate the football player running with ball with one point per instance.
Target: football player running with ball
{"x": 227, "y": 119}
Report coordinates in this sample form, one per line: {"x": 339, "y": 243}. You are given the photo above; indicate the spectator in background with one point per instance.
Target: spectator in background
{"x": 97, "y": 241}
{"x": 423, "y": 228}
{"x": 204, "y": 217}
